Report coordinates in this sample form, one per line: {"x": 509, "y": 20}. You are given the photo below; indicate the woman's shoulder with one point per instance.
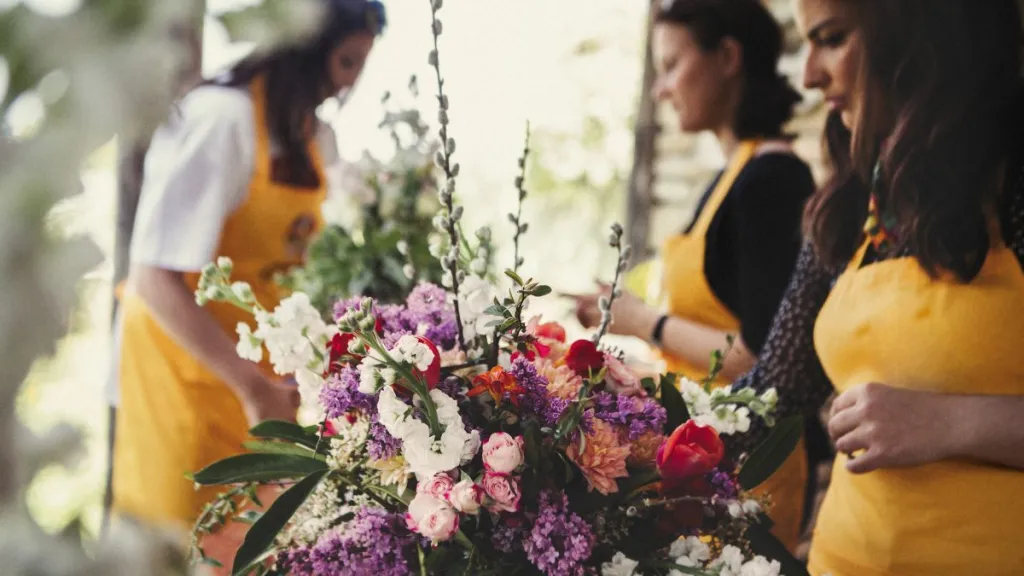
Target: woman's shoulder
{"x": 775, "y": 171}
{"x": 212, "y": 103}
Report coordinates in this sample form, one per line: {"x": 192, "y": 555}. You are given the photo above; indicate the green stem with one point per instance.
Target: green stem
{"x": 413, "y": 384}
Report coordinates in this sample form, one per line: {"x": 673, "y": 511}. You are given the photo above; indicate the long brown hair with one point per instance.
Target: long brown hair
{"x": 941, "y": 118}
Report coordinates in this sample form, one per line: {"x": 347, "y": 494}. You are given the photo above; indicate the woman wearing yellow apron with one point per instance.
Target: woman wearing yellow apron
{"x": 237, "y": 171}
{"x": 725, "y": 274}
{"x": 909, "y": 297}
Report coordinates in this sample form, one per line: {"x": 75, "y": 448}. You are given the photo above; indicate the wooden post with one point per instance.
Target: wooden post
{"x": 640, "y": 200}
{"x": 130, "y": 157}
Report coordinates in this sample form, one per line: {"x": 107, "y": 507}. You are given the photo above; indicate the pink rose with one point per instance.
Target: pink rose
{"x": 620, "y": 379}
{"x": 438, "y": 486}
{"x": 502, "y": 453}
{"x": 466, "y": 497}
{"x": 503, "y": 492}
{"x": 432, "y": 518}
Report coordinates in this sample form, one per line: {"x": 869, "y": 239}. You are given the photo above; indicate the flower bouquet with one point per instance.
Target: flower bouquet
{"x": 378, "y": 239}
{"x": 449, "y": 433}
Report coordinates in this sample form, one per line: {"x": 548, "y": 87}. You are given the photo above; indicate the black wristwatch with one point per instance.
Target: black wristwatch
{"x": 659, "y": 328}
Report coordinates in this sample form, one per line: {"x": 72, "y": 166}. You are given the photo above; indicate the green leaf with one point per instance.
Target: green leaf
{"x": 273, "y": 447}
{"x": 541, "y": 291}
{"x": 672, "y": 400}
{"x": 258, "y": 467}
{"x": 515, "y": 277}
{"x": 249, "y": 517}
{"x": 649, "y": 385}
{"x": 262, "y": 534}
{"x": 762, "y": 542}
{"x": 495, "y": 310}
{"x": 281, "y": 430}
{"x": 766, "y": 458}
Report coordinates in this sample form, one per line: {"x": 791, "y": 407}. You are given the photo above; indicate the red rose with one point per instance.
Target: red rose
{"x": 691, "y": 451}
{"x": 551, "y": 330}
{"x": 584, "y": 358}
{"x": 339, "y": 348}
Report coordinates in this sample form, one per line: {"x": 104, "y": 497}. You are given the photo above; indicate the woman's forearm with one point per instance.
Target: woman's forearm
{"x": 695, "y": 343}
{"x": 193, "y": 328}
{"x": 986, "y": 428}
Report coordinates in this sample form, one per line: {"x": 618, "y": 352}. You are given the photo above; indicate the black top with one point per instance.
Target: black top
{"x": 789, "y": 362}
{"x": 754, "y": 238}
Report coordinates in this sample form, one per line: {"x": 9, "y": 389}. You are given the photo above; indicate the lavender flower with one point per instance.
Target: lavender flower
{"x": 560, "y": 541}
{"x": 340, "y": 394}
{"x": 650, "y": 418}
{"x": 374, "y": 542}
{"x": 535, "y": 400}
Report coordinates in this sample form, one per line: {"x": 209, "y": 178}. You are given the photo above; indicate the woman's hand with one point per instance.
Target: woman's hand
{"x": 630, "y": 315}
{"x": 265, "y": 399}
{"x": 887, "y": 427}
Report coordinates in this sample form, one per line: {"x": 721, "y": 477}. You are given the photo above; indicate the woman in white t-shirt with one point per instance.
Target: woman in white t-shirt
{"x": 237, "y": 171}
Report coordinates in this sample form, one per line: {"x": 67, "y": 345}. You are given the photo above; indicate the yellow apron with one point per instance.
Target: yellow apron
{"x": 175, "y": 416}
{"x": 888, "y": 322}
{"x": 689, "y": 296}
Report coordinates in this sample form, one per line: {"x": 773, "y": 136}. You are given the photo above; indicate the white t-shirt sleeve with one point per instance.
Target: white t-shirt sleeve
{"x": 197, "y": 172}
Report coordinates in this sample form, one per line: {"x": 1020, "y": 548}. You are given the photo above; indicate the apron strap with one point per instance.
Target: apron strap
{"x": 744, "y": 152}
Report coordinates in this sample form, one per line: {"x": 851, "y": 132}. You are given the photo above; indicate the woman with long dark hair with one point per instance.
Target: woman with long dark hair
{"x": 908, "y": 299}
{"x": 724, "y": 273}
{"x": 237, "y": 171}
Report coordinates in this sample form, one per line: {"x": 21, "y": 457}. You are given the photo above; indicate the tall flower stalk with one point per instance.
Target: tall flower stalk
{"x": 450, "y": 215}
{"x": 605, "y": 303}
{"x": 516, "y": 219}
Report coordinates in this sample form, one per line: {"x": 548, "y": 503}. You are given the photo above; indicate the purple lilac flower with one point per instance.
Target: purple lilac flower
{"x": 373, "y": 542}
{"x": 295, "y": 562}
{"x": 560, "y": 541}
{"x": 380, "y": 444}
{"x": 443, "y": 334}
{"x": 535, "y": 400}
{"x": 726, "y": 486}
{"x": 640, "y": 415}
{"x": 427, "y": 298}
{"x": 650, "y": 418}
{"x": 340, "y": 394}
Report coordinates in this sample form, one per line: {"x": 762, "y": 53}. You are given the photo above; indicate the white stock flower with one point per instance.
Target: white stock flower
{"x": 619, "y": 566}
{"x": 249, "y": 346}
{"x": 726, "y": 419}
{"x": 291, "y": 332}
{"x": 310, "y": 383}
{"x": 761, "y": 566}
{"x": 730, "y": 562}
{"x": 697, "y": 400}
{"x": 410, "y": 350}
{"x": 690, "y": 552}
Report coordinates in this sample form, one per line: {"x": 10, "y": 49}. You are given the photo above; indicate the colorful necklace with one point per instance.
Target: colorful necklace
{"x": 880, "y": 225}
